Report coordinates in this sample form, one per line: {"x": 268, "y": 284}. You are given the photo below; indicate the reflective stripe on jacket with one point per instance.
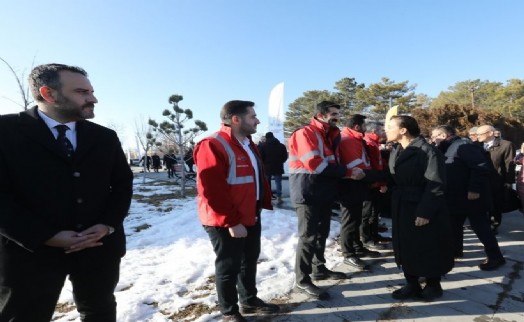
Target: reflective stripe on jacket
{"x": 313, "y": 164}
{"x": 353, "y": 153}
{"x": 226, "y": 182}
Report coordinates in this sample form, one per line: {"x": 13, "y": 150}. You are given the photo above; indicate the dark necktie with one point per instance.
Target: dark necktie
{"x": 63, "y": 141}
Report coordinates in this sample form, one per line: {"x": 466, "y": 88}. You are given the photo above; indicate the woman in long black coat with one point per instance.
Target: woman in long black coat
{"x": 421, "y": 231}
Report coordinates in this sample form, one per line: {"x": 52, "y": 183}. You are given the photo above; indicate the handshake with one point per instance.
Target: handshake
{"x": 357, "y": 174}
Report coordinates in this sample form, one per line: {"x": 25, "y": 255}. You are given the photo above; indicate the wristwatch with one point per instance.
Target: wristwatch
{"x": 110, "y": 230}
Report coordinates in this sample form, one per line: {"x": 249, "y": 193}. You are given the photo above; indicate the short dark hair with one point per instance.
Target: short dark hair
{"x": 323, "y": 107}
{"x": 355, "y": 119}
{"x": 448, "y": 129}
{"x": 232, "y": 108}
{"x": 409, "y": 123}
{"x": 48, "y": 75}
{"x": 269, "y": 135}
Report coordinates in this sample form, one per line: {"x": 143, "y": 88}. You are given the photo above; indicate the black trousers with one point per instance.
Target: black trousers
{"x": 313, "y": 230}
{"x": 371, "y": 209}
{"x": 481, "y": 226}
{"x": 350, "y": 229}
{"x": 30, "y": 284}
{"x": 235, "y": 266}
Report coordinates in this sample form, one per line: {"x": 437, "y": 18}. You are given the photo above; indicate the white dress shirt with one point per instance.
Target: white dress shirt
{"x": 70, "y": 134}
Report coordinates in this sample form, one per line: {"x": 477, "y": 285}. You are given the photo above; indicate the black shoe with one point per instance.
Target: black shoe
{"x": 429, "y": 293}
{"x": 383, "y": 239}
{"x": 364, "y": 252}
{"x": 374, "y": 245}
{"x": 235, "y": 317}
{"x": 258, "y": 306}
{"x": 355, "y": 262}
{"x": 312, "y": 290}
{"x": 491, "y": 264}
{"x": 406, "y": 292}
{"x": 327, "y": 274}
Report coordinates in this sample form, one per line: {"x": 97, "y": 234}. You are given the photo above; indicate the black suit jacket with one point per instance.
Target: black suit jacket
{"x": 43, "y": 192}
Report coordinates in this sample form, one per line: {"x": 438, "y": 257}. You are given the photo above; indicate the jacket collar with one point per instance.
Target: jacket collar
{"x": 372, "y": 137}
{"x": 352, "y": 133}
{"x": 225, "y": 129}
{"x": 328, "y": 132}
{"x": 320, "y": 125}
{"x": 35, "y": 128}
{"x": 445, "y": 144}
{"x": 400, "y": 155}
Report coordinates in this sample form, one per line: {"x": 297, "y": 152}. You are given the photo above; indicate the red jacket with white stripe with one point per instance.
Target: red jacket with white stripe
{"x": 353, "y": 154}
{"x": 314, "y": 170}
{"x": 226, "y": 181}
{"x": 372, "y": 141}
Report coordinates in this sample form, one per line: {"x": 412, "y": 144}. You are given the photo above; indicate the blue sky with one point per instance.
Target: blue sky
{"x": 138, "y": 53}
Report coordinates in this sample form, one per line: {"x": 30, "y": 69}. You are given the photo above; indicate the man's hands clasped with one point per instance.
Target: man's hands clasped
{"x": 72, "y": 241}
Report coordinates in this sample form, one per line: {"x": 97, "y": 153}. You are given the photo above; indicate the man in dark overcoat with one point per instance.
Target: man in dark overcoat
{"x": 501, "y": 153}
{"x": 468, "y": 192}
{"x": 65, "y": 218}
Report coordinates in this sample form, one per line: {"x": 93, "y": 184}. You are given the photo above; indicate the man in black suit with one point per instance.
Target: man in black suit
{"x": 61, "y": 215}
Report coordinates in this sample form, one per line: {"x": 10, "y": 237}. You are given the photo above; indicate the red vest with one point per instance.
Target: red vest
{"x": 226, "y": 182}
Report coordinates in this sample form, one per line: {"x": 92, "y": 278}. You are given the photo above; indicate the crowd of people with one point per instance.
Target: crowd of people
{"x": 428, "y": 186}
{"x": 67, "y": 221}
{"x": 168, "y": 161}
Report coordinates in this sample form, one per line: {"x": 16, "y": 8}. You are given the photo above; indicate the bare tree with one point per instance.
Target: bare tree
{"x": 119, "y": 128}
{"x": 23, "y": 89}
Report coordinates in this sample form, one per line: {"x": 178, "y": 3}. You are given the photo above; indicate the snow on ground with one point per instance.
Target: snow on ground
{"x": 170, "y": 262}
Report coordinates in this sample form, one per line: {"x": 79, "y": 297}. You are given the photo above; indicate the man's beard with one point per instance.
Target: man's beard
{"x": 247, "y": 130}
{"x": 333, "y": 123}
{"x": 69, "y": 110}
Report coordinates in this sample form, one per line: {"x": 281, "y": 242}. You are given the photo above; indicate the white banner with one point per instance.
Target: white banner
{"x": 276, "y": 112}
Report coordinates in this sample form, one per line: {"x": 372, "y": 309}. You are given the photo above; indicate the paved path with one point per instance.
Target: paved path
{"x": 469, "y": 293}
